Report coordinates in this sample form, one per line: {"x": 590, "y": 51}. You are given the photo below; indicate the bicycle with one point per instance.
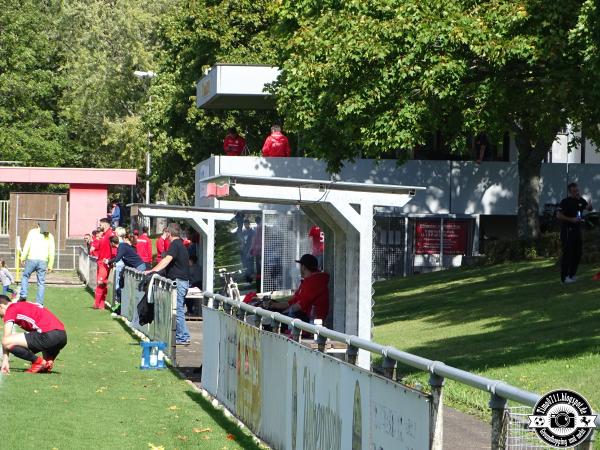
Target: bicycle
{"x": 230, "y": 288}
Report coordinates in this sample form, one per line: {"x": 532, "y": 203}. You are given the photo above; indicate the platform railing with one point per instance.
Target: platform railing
{"x": 500, "y": 391}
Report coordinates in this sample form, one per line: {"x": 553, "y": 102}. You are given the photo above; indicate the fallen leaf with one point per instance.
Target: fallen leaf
{"x": 182, "y": 438}
{"x": 142, "y": 398}
{"x": 173, "y": 408}
{"x": 54, "y": 387}
{"x": 155, "y": 447}
{"x": 35, "y": 391}
{"x": 201, "y": 430}
{"x": 123, "y": 398}
{"x": 231, "y": 437}
{"x": 206, "y": 437}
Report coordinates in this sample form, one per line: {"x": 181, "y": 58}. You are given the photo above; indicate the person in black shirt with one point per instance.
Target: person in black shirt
{"x": 127, "y": 253}
{"x": 570, "y": 213}
{"x": 176, "y": 261}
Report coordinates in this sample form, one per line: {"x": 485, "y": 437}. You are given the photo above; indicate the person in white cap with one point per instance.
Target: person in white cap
{"x": 38, "y": 257}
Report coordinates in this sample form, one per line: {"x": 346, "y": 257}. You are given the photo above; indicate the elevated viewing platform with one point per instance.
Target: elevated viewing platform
{"x": 452, "y": 187}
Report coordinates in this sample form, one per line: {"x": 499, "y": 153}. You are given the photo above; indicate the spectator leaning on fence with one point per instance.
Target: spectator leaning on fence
{"x": 176, "y": 263}
{"x": 104, "y": 252}
{"x": 38, "y": 257}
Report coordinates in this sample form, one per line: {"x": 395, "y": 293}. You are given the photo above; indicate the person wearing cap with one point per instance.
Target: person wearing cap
{"x": 38, "y": 257}
{"x": 311, "y": 300}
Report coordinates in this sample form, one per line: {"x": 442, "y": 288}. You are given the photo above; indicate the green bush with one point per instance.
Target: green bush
{"x": 547, "y": 246}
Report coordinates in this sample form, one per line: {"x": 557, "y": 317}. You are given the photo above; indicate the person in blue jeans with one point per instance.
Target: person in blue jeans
{"x": 38, "y": 256}
{"x": 176, "y": 264}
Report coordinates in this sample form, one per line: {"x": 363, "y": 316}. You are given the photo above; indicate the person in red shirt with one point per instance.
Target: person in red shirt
{"x": 234, "y": 144}
{"x": 311, "y": 300}
{"x": 105, "y": 251}
{"x": 43, "y": 333}
{"x": 318, "y": 244}
{"x": 162, "y": 245}
{"x": 144, "y": 247}
{"x": 95, "y": 244}
{"x": 276, "y": 145}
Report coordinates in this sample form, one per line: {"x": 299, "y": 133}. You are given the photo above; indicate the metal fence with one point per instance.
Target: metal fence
{"x": 389, "y": 246}
{"x": 285, "y": 240}
{"x": 86, "y": 267}
{"x": 163, "y": 294}
{"x": 4, "y": 216}
{"x": 393, "y": 360}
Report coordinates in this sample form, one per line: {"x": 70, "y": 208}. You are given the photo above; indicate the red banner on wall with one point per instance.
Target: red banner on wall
{"x": 428, "y": 234}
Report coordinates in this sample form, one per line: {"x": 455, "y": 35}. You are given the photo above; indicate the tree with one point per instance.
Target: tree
{"x": 366, "y": 77}
{"x": 194, "y": 37}
{"x": 102, "y": 44}
{"x": 30, "y": 84}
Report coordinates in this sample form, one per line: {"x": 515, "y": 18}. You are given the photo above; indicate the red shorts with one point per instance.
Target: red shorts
{"x": 102, "y": 274}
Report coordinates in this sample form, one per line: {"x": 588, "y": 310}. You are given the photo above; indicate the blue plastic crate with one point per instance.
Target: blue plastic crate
{"x": 153, "y": 355}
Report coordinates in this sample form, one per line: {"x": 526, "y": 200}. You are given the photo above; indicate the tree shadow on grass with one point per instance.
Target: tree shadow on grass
{"x": 512, "y": 314}
{"x": 241, "y": 438}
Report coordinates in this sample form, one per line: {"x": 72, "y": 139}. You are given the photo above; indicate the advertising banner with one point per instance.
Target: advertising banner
{"x": 296, "y": 398}
{"x": 210, "y": 342}
{"x": 428, "y": 237}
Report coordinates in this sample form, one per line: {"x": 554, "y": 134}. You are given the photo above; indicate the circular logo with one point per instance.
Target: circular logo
{"x": 562, "y": 419}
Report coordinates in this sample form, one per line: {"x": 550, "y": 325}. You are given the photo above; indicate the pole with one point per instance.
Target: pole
{"x": 148, "y": 172}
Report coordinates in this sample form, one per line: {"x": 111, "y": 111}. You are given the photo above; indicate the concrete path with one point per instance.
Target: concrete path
{"x": 461, "y": 431}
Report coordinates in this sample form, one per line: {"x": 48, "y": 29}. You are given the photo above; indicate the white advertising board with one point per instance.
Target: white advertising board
{"x": 295, "y": 398}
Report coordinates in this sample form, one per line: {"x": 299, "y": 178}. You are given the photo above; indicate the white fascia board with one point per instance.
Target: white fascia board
{"x": 299, "y": 195}
{"x": 184, "y": 213}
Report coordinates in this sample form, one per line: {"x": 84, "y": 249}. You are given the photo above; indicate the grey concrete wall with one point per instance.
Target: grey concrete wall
{"x": 455, "y": 187}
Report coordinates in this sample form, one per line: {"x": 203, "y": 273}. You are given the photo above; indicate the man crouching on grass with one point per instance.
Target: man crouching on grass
{"x": 44, "y": 333}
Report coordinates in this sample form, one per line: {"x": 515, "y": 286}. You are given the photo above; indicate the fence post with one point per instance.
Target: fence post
{"x": 388, "y": 367}
{"x": 436, "y": 383}
{"x": 499, "y": 422}
{"x": 321, "y": 343}
{"x": 296, "y": 332}
{"x": 351, "y": 354}
{"x": 588, "y": 444}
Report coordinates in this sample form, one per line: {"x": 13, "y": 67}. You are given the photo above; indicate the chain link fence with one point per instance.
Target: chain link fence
{"x": 518, "y": 435}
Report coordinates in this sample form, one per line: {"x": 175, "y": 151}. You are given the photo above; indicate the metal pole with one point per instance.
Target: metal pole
{"x": 58, "y": 232}
{"x": 436, "y": 383}
{"x": 148, "y": 172}
{"x": 588, "y": 444}
{"x": 499, "y": 422}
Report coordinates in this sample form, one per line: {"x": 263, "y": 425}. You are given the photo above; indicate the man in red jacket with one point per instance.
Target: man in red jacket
{"x": 311, "y": 300}
{"x": 43, "y": 333}
{"x": 162, "y": 245}
{"x": 144, "y": 247}
{"x": 234, "y": 144}
{"x": 104, "y": 252}
{"x": 276, "y": 145}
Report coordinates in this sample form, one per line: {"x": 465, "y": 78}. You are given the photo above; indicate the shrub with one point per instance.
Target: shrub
{"x": 547, "y": 246}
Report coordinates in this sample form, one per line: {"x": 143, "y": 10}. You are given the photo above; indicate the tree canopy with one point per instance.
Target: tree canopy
{"x": 359, "y": 78}
{"x": 365, "y": 77}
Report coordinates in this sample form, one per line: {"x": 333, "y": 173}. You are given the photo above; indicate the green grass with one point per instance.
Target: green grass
{"x": 513, "y": 322}
{"x": 99, "y": 398}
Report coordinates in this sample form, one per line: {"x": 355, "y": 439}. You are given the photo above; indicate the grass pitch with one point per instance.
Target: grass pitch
{"x": 513, "y": 322}
{"x": 98, "y": 398}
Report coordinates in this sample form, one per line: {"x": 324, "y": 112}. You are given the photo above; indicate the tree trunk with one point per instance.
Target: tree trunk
{"x": 530, "y": 165}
